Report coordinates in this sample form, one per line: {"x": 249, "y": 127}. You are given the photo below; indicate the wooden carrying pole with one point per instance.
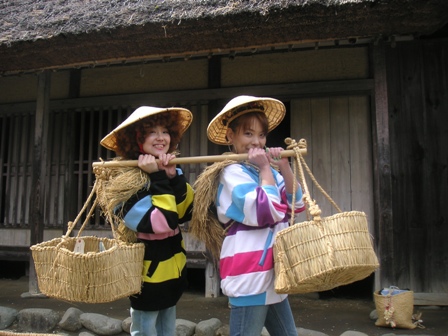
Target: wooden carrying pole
{"x": 193, "y": 159}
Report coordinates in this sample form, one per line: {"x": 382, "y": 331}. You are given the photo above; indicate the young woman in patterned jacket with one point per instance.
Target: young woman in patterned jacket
{"x": 151, "y": 135}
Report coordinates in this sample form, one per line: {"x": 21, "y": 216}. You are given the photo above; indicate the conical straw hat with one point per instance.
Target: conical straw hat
{"x": 274, "y": 109}
{"x": 185, "y": 119}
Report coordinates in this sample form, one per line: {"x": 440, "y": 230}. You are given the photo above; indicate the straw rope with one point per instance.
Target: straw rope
{"x": 204, "y": 224}
{"x": 115, "y": 185}
{"x": 298, "y": 164}
{"x": 313, "y": 208}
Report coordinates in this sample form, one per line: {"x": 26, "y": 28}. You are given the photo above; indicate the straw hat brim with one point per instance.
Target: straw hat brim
{"x": 274, "y": 109}
{"x": 185, "y": 119}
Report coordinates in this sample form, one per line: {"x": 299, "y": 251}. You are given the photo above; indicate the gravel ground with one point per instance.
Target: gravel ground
{"x": 330, "y": 315}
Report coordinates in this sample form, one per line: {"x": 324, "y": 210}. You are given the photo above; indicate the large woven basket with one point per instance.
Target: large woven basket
{"x": 94, "y": 276}
{"x": 322, "y": 253}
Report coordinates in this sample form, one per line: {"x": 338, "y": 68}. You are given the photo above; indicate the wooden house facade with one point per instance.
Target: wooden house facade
{"x": 364, "y": 82}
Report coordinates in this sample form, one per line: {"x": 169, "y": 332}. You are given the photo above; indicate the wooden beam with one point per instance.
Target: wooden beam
{"x": 431, "y": 299}
{"x": 289, "y": 91}
{"x": 38, "y": 171}
{"x": 17, "y": 253}
{"x": 214, "y": 72}
{"x": 382, "y": 171}
{"x": 74, "y": 89}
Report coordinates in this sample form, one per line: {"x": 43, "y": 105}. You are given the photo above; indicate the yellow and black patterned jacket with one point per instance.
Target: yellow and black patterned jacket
{"x": 155, "y": 213}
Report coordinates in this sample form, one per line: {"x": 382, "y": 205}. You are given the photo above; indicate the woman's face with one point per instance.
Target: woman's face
{"x": 252, "y": 136}
{"x": 157, "y": 141}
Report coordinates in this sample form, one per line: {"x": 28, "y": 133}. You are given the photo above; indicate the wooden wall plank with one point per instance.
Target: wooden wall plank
{"x": 92, "y": 147}
{"x": 349, "y": 122}
{"x": 203, "y": 112}
{"x": 301, "y": 121}
{"x": 321, "y": 153}
{"x": 340, "y": 153}
{"x": 435, "y": 163}
{"x": 14, "y": 169}
{"x": 3, "y": 144}
{"x": 361, "y": 157}
{"x": 418, "y": 128}
{"x": 69, "y": 178}
{"x": 189, "y": 145}
{"x": 200, "y": 133}
{"x": 63, "y": 153}
{"x": 51, "y": 189}
{"x": 409, "y": 189}
{"x": 25, "y": 160}
{"x": 78, "y": 161}
{"x": 4, "y": 120}
{"x": 301, "y": 128}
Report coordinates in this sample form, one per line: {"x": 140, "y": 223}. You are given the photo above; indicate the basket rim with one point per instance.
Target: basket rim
{"x": 312, "y": 222}
{"x": 49, "y": 245}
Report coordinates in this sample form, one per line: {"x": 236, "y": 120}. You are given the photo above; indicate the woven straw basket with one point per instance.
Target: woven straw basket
{"x": 322, "y": 253}
{"x": 395, "y": 311}
{"x": 93, "y": 276}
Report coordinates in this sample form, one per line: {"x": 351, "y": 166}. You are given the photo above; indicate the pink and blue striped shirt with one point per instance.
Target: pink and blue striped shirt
{"x": 252, "y": 214}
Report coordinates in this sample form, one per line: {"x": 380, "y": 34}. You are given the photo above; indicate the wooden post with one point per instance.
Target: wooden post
{"x": 382, "y": 168}
{"x": 212, "y": 280}
{"x": 38, "y": 172}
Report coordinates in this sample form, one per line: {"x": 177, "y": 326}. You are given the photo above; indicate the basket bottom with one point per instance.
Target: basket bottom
{"x": 327, "y": 280}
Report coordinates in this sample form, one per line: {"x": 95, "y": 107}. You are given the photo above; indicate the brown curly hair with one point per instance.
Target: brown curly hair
{"x": 128, "y": 139}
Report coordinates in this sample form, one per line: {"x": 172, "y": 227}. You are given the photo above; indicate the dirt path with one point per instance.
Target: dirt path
{"x": 332, "y": 316}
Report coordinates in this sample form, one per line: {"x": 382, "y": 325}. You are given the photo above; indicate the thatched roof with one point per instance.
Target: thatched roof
{"x": 39, "y": 34}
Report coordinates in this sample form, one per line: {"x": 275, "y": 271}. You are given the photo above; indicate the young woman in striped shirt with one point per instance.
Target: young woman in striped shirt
{"x": 253, "y": 203}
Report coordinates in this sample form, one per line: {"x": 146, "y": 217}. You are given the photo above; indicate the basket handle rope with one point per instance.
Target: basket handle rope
{"x": 298, "y": 164}
{"x": 71, "y": 225}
